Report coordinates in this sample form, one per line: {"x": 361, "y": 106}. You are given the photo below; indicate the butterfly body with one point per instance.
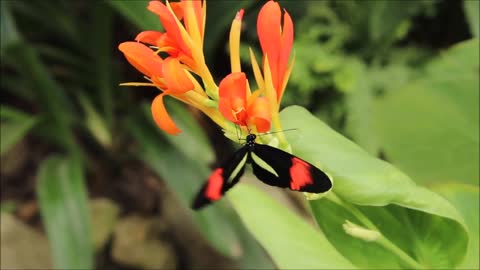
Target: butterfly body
{"x": 270, "y": 165}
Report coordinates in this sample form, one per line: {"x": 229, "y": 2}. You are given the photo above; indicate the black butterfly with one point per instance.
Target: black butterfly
{"x": 270, "y": 165}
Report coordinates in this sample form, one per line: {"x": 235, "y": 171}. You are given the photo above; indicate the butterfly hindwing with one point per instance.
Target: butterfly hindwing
{"x": 279, "y": 168}
{"x": 222, "y": 179}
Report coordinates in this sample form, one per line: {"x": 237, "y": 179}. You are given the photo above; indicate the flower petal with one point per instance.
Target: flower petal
{"x": 175, "y": 78}
{"x": 177, "y": 10}
{"x": 161, "y": 116}
{"x": 276, "y": 41}
{"x": 259, "y": 114}
{"x": 269, "y": 34}
{"x": 233, "y": 97}
{"x": 286, "y": 47}
{"x": 168, "y": 21}
{"x": 193, "y": 19}
{"x": 142, "y": 58}
{"x": 149, "y": 37}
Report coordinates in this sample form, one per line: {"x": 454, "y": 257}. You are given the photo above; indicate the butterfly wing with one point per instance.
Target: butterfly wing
{"x": 278, "y": 168}
{"x": 222, "y": 179}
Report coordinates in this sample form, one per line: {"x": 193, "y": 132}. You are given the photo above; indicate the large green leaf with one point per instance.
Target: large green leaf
{"x": 472, "y": 13}
{"x": 467, "y": 200}
{"x": 14, "y": 126}
{"x": 360, "y": 179}
{"x": 292, "y": 243}
{"x": 184, "y": 170}
{"x": 63, "y": 205}
{"x": 430, "y": 127}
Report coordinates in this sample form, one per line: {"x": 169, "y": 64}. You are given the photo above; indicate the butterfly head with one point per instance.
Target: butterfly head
{"x": 251, "y": 139}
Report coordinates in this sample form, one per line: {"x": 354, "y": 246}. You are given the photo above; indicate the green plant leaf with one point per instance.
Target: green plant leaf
{"x": 360, "y": 179}
{"x": 292, "y": 243}
{"x": 193, "y": 143}
{"x": 50, "y": 97}
{"x": 63, "y": 205}
{"x": 94, "y": 122}
{"x": 9, "y": 35}
{"x": 429, "y": 127}
{"x": 14, "y": 126}
{"x": 102, "y": 53}
{"x": 471, "y": 9}
{"x": 466, "y": 198}
{"x": 137, "y": 12}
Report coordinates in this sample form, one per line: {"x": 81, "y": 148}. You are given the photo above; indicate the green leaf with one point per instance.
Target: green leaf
{"x": 360, "y": 179}
{"x": 94, "y": 122}
{"x": 429, "y": 127}
{"x": 63, "y": 205}
{"x": 292, "y": 243}
{"x": 14, "y": 126}
{"x": 49, "y": 96}
{"x": 9, "y": 35}
{"x": 102, "y": 52}
{"x": 193, "y": 143}
{"x": 185, "y": 175}
{"x": 471, "y": 9}
{"x": 137, "y": 12}
{"x": 467, "y": 200}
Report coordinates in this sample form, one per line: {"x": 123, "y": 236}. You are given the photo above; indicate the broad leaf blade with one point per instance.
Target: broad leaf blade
{"x": 64, "y": 209}
{"x": 472, "y": 13}
{"x": 364, "y": 180}
{"x": 467, "y": 200}
{"x": 292, "y": 243}
{"x": 429, "y": 128}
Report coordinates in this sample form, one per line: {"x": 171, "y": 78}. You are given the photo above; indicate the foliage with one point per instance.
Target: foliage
{"x": 371, "y": 70}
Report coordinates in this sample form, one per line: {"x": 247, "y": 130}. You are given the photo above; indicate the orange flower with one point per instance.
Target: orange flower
{"x": 168, "y": 75}
{"x": 177, "y": 41}
{"x": 276, "y": 43}
{"x": 231, "y": 101}
{"x": 240, "y": 109}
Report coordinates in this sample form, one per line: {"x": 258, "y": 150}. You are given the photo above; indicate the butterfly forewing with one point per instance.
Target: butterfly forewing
{"x": 288, "y": 171}
{"x": 222, "y": 179}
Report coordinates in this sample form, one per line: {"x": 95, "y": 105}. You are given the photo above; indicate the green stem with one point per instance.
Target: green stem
{"x": 387, "y": 244}
{"x": 383, "y": 241}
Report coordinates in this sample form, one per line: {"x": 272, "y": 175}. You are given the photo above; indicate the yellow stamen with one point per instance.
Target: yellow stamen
{"x": 287, "y": 76}
{"x": 271, "y": 95}
{"x": 192, "y": 24}
{"x": 204, "y": 16}
{"x": 256, "y": 71}
{"x": 235, "y": 43}
{"x": 270, "y": 92}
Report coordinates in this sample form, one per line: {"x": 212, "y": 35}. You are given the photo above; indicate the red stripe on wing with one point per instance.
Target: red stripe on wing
{"x": 300, "y": 174}
{"x": 215, "y": 182}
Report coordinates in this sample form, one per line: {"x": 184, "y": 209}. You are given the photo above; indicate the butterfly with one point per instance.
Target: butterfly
{"x": 270, "y": 165}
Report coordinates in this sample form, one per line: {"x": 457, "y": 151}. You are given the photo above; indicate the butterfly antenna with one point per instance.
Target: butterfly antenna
{"x": 273, "y": 132}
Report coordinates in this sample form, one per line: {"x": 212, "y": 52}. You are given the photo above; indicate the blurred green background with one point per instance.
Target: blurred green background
{"x": 88, "y": 181}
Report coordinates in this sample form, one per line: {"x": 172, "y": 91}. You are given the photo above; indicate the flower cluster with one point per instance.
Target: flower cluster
{"x": 169, "y": 60}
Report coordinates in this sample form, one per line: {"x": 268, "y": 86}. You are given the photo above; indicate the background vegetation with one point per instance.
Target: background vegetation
{"x": 85, "y": 171}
